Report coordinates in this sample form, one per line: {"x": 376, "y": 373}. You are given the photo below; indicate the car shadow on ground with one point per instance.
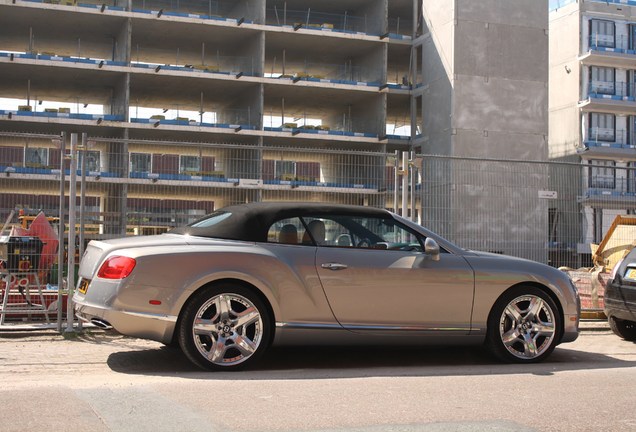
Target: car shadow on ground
{"x": 351, "y": 362}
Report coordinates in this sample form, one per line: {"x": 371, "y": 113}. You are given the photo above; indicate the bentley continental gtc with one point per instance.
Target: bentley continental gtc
{"x": 250, "y": 276}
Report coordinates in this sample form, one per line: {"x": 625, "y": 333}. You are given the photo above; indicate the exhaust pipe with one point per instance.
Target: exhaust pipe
{"x": 101, "y": 323}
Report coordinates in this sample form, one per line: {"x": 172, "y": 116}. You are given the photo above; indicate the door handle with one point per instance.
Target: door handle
{"x": 334, "y": 266}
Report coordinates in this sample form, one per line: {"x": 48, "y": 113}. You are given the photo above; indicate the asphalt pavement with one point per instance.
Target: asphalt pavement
{"x": 99, "y": 381}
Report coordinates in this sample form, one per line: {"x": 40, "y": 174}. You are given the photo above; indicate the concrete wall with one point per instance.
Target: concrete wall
{"x": 617, "y": 11}
{"x": 438, "y": 51}
{"x": 564, "y": 81}
{"x": 373, "y": 64}
{"x": 246, "y": 104}
{"x": 120, "y": 98}
{"x": 253, "y": 11}
{"x": 485, "y": 75}
{"x": 370, "y": 115}
{"x": 375, "y": 14}
{"x": 501, "y": 78}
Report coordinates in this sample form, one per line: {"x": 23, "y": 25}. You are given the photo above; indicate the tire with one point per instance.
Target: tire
{"x": 225, "y": 327}
{"x": 623, "y": 328}
{"x": 524, "y": 326}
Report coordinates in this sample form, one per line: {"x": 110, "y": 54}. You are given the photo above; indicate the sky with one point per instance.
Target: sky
{"x": 555, "y": 4}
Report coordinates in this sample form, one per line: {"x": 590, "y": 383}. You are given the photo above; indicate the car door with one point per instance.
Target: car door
{"x": 382, "y": 282}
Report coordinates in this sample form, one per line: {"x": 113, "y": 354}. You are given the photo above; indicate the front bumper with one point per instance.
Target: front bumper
{"x": 570, "y": 328}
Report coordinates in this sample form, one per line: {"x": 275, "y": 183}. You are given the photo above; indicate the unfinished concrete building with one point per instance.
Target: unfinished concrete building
{"x": 192, "y": 105}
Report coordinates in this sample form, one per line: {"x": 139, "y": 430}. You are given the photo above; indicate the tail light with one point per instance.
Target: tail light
{"x": 116, "y": 267}
{"x": 615, "y": 269}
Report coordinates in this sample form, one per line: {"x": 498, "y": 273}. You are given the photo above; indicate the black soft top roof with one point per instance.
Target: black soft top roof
{"x": 251, "y": 222}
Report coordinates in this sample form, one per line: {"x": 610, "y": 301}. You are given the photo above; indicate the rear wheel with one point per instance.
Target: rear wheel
{"x": 225, "y": 327}
{"x": 623, "y": 328}
{"x": 524, "y": 325}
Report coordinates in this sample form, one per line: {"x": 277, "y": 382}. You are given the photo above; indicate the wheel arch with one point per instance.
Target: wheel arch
{"x": 538, "y": 286}
{"x": 233, "y": 281}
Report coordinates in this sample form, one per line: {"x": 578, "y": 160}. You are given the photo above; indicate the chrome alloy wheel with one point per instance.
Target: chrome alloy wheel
{"x": 227, "y": 329}
{"x": 527, "y": 327}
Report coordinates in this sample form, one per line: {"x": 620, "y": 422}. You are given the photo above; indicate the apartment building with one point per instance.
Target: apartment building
{"x": 192, "y": 105}
{"x": 593, "y": 106}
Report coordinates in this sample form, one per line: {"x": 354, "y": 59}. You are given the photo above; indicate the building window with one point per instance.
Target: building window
{"x": 597, "y": 215}
{"x": 36, "y": 157}
{"x": 632, "y": 36}
{"x": 140, "y": 162}
{"x": 631, "y": 177}
{"x": 189, "y": 164}
{"x": 602, "y": 174}
{"x": 631, "y": 130}
{"x": 603, "y": 80}
{"x": 602, "y": 33}
{"x": 631, "y": 79}
{"x": 602, "y": 127}
{"x": 285, "y": 170}
{"x": 92, "y": 160}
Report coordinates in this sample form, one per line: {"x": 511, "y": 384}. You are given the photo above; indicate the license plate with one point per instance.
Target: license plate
{"x": 83, "y": 286}
{"x": 630, "y": 274}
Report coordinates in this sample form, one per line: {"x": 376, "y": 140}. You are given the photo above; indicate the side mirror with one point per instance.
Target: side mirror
{"x": 431, "y": 249}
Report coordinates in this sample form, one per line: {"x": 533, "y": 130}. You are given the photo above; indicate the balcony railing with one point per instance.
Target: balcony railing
{"x": 618, "y": 2}
{"x": 317, "y": 20}
{"x": 608, "y": 137}
{"x": 607, "y": 185}
{"x": 611, "y": 90}
{"x": 604, "y": 42}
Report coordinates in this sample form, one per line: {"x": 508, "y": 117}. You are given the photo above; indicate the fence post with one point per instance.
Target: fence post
{"x": 60, "y": 235}
{"x": 412, "y": 175}
{"x": 70, "y": 273}
{"x": 405, "y": 184}
{"x": 395, "y": 181}
{"x": 82, "y": 215}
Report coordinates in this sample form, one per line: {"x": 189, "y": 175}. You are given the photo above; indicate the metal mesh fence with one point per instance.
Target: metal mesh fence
{"x": 128, "y": 183}
{"x": 552, "y": 212}
{"x": 546, "y": 211}
{"x": 527, "y": 209}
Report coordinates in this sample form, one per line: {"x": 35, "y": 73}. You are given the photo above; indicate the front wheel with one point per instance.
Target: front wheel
{"x": 224, "y": 327}
{"x": 623, "y": 328}
{"x": 524, "y": 326}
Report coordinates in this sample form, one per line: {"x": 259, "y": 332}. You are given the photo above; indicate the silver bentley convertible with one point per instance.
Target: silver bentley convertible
{"x": 249, "y": 276}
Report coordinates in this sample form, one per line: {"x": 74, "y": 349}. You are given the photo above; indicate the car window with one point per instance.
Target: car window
{"x": 362, "y": 232}
{"x": 316, "y": 231}
{"x": 286, "y": 231}
{"x": 211, "y": 219}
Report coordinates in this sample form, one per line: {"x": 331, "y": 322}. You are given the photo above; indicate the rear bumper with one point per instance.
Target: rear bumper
{"x": 142, "y": 325}
{"x": 618, "y": 302}
{"x": 618, "y": 309}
